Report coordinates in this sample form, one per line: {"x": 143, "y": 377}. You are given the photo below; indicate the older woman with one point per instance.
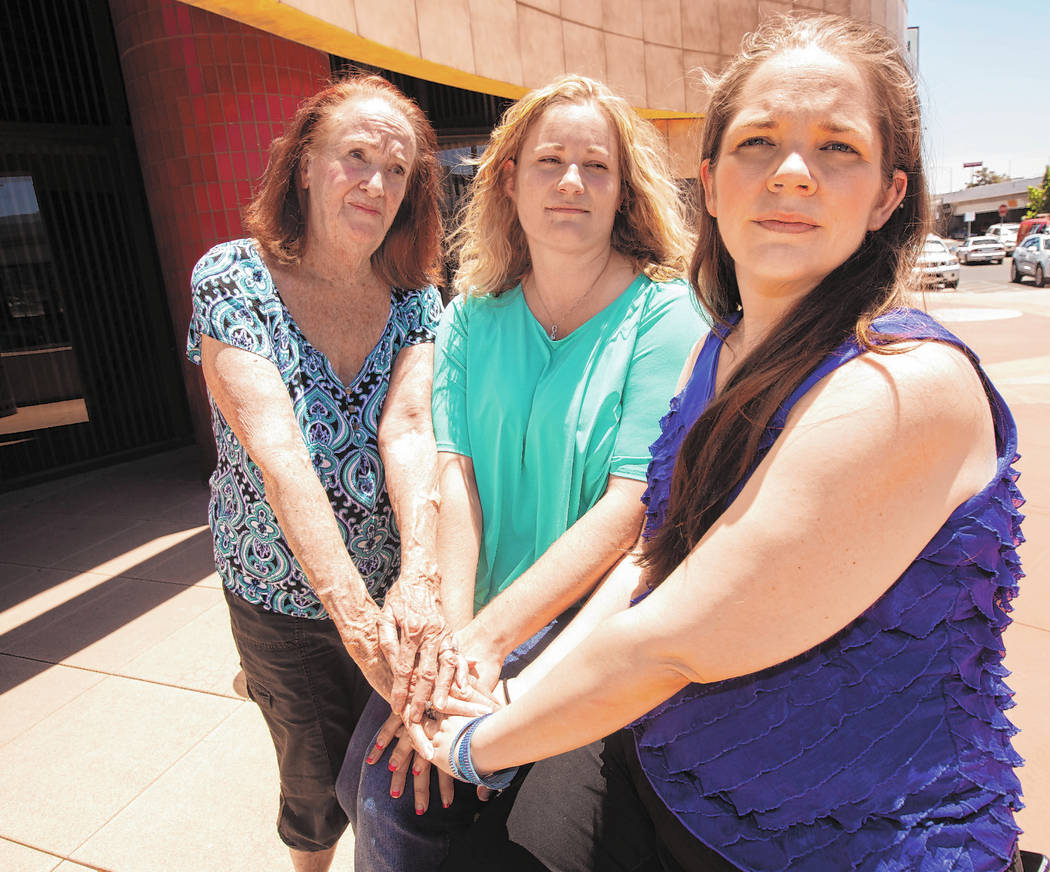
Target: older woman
{"x": 553, "y": 366}
{"x": 813, "y": 677}
{"x": 315, "y": 337}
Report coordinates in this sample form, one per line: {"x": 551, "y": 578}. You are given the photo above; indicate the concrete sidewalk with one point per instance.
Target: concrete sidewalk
{"x": 124, "y": 744}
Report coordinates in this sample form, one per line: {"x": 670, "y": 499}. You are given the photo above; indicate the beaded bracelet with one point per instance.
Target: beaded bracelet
{"x": 462, "y": 766}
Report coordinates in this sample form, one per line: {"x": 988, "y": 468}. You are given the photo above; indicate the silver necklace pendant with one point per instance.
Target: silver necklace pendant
{"x": 554, "y": 332}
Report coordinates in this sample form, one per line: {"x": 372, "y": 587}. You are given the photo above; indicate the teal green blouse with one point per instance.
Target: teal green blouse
{"x": 545, "y": 422}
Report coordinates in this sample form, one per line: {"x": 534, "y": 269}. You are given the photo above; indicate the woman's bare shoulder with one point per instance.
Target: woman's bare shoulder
{"x": 931, "y": 378}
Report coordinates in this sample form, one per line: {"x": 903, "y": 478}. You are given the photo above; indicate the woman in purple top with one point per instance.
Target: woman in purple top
{"x": 812, "y": 672}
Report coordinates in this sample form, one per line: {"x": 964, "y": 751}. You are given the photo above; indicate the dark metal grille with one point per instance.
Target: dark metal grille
{"x": 450, "y": 110}
{"x": 49, "y": 67}
{"x": 88, "y": 367}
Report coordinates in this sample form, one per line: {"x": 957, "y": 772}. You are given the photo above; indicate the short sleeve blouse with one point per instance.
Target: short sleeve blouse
{"x": 235, "y": 301}
{"x": 546, "y": 422}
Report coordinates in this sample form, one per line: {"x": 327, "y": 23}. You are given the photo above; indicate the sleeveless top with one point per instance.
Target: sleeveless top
{"x": 886, "y": 747}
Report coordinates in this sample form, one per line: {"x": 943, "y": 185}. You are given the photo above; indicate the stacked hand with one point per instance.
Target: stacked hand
{"x": 429, "y": 675}
{"x": 420, "y": 648}
{"x": 414, "y": 746}
{"x": 432, "y": 681}
{"x": 438, "y": 730}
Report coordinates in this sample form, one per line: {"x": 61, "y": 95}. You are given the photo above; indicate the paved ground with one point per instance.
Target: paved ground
{"x": 1008, "y": 325}
{"x": 123, "y": 743}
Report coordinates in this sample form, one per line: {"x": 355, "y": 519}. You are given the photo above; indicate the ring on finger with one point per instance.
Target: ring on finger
{"x": 428, "y": 712}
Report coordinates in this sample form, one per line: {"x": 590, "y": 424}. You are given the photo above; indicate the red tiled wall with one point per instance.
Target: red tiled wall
{"x": 206, "y": 95}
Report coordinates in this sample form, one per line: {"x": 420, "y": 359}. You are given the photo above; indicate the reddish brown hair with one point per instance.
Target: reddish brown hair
{"x": 410, "y": 254}
{"x": 723, "y": 443}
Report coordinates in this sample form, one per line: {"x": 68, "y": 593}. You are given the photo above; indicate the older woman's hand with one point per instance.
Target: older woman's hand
{"x": 361, "y": 638}
{"x": 420, "y": 648}
{"x": 365, "y": 633}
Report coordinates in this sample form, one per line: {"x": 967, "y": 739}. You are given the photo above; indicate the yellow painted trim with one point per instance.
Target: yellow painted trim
{"x": 281, "y": 19}
{"x": 286, "y": 21}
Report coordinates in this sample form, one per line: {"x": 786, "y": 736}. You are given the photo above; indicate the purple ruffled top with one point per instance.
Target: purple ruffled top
{"x": 886, "y": 747}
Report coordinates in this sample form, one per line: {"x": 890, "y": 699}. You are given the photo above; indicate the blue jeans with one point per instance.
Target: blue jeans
{"x": 388, "y": 834}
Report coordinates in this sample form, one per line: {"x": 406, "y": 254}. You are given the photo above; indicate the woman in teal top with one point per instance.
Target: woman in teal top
{"x": 552, "y": 369}
{"x": 546, "y": 423}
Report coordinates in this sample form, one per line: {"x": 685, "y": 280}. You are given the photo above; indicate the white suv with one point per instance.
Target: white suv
{"x": 1006, "y": 234}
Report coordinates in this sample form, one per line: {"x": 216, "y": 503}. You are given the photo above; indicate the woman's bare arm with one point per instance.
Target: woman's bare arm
{"x": 614, "y": 593}
{"x": 870, "y": 465}
{"x": 253, "y": 399}
{"x": 459, "y": 536}
{"x": 412, "y": 624}
{"x": 565, "y": 573}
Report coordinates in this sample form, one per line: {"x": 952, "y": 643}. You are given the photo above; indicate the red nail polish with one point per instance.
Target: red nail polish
{"x": 420, "y": 810}
{"x": 395, "y": 793}
{"x": 391, "y": 767}
{"x": 445, "y": 804}
{"x": 415, "y": 772}
{"x": 379, "y": 745}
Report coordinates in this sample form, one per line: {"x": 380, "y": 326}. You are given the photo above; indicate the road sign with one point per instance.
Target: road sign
{"x": 969, "y": 216}
{"x": 1002, "y": 210}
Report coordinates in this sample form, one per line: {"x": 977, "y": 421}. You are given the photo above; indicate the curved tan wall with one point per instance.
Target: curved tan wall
{"x": 642, "y": 48}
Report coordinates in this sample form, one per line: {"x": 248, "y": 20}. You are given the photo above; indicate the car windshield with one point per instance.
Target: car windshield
{"x": 934, "y": 246}
{"x": 984, "y": 240}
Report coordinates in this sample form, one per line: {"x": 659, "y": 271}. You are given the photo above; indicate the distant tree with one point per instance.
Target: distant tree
{"x": 1039, "y": 197}
{"x": 985, "y": 176}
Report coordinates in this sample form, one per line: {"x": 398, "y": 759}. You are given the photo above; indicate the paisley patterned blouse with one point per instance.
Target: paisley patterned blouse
{"x": 235, "y": 302}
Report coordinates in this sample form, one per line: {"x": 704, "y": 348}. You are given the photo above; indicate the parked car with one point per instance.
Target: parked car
{"x": 1032, "y": 258}
{"x": 980, "y": 249}
{"x": 1039, "y": 224}
{"x": 1006, "y": 234}
{"x": 936, "y": 265}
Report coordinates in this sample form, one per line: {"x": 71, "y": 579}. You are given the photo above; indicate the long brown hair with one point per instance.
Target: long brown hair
{"x": 410, "y": 254}
{"x": 723, "y": 443}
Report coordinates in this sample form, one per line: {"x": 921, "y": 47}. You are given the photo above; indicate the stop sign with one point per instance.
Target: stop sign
{"x": 1002, "y": 211}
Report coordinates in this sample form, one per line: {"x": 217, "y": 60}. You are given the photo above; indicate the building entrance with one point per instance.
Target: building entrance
{"x": 87, "y": 364}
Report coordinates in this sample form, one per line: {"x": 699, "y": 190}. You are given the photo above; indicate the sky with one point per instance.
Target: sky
{"x": 984, "y": 80}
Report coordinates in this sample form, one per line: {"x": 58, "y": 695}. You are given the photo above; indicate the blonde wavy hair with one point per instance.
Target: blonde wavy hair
{"x": 649, "y": 227}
